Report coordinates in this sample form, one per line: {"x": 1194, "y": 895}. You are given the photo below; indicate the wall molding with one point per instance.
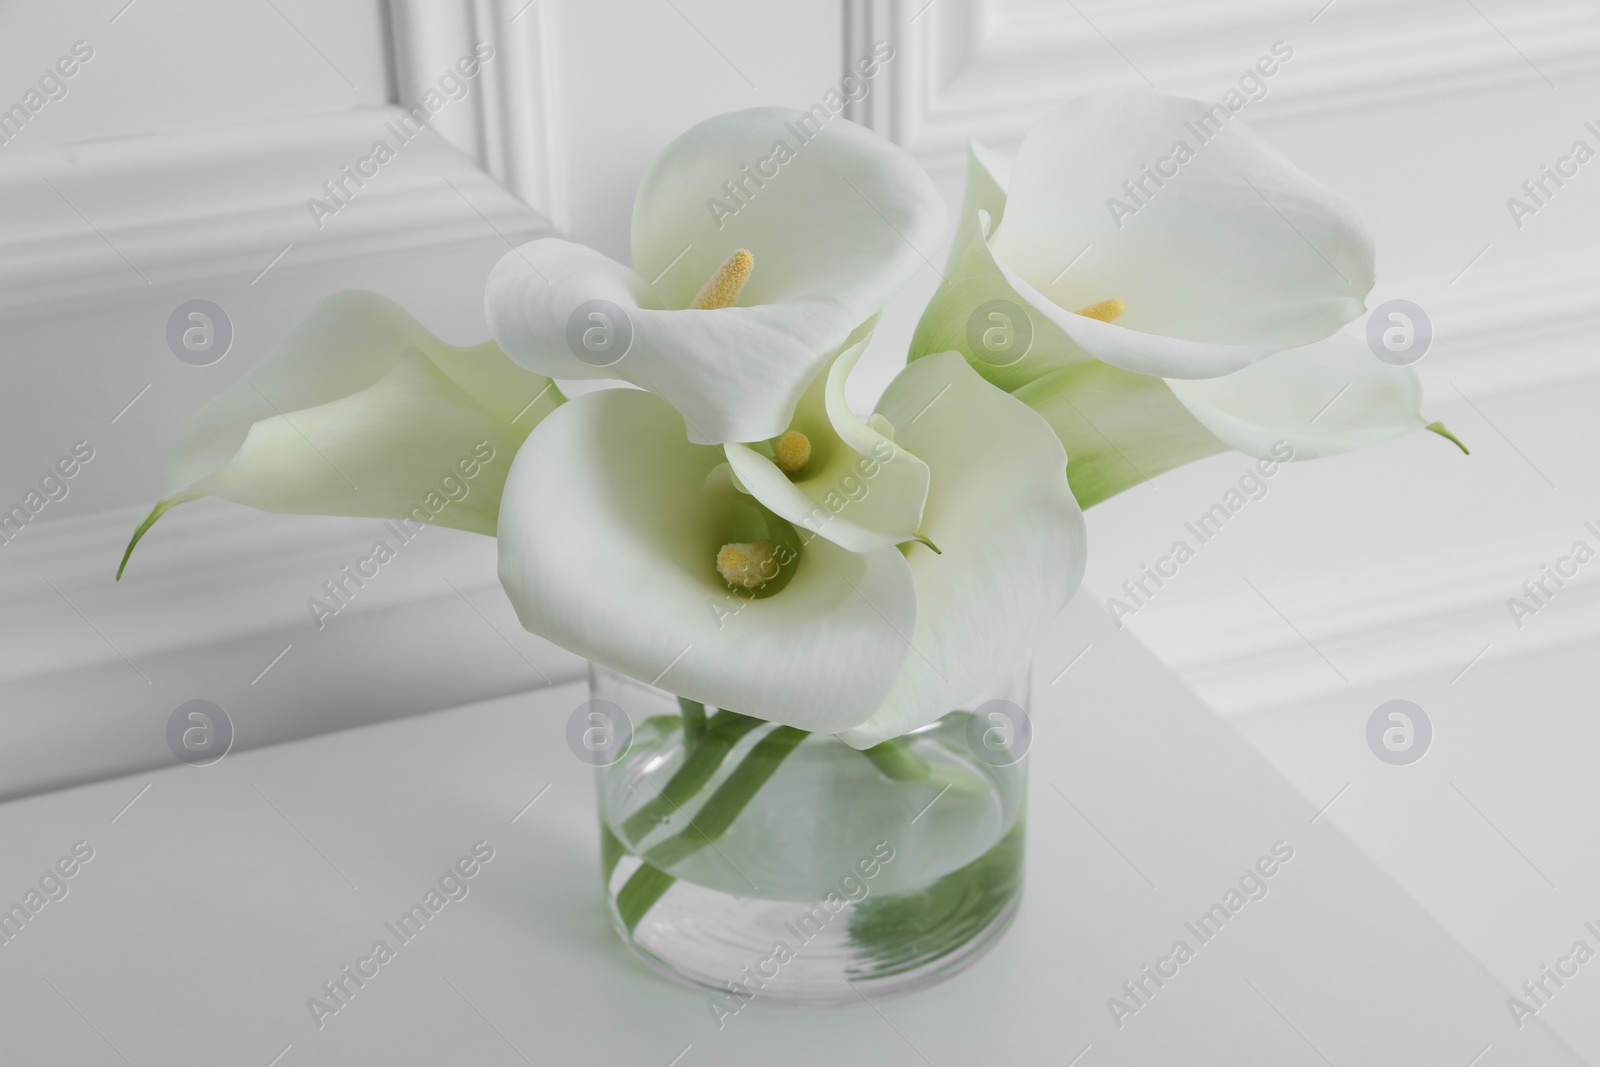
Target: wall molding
{"x": 1545, "y": 309}
{"x": 101, "y": 236}
{"x": 91, "y": 668}
{"x": 1436, "y": 609}
{"x": 101, "y": 219}
{"x": 509, "y": 123}
{"x": 1439, "y": 614}
{"x": 987, "y": 69}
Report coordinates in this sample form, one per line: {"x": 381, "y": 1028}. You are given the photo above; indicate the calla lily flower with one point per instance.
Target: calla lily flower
{"x": 1141, "y": 230}
{"x": 645, "y": 569}
{"x": 611, "y": 530}
{"x": 761, "y": 242}
{"x": 833, "y": 474}
{"x": 1124, "y": 405}
{"x": 361, "y": 411}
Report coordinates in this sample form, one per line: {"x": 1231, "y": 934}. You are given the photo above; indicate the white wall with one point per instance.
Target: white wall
{"x": 1392, "y": 561}
{"x": 161, "y": 66}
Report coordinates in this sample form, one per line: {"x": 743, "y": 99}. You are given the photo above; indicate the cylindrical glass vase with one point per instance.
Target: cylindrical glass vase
{"x": 767, "y": 865}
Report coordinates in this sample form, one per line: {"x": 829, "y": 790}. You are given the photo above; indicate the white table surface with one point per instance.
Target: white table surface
{"x": 219, "y": 902}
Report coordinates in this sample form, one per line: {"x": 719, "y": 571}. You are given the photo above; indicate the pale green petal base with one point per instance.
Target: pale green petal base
{"x": 1119, "y": 428}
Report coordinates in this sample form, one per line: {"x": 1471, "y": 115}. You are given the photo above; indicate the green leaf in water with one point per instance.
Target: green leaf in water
{"x": 899, "y": 931}
{"x": 611, "y": 852}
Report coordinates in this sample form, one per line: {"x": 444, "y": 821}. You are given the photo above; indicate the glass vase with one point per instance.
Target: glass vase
{"x": 767, "y": 865}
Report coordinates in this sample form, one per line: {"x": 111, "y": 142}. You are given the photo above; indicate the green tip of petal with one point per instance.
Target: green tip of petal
{"x": 149, "y": 520}
{"x": 924, "y": 540}
{"x": 1439, "y": 428}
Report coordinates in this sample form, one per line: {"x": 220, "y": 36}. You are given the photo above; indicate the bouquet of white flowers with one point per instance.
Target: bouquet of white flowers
{"x": 1121, "y": 298}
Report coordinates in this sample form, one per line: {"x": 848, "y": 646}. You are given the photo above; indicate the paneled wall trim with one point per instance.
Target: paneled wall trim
{"x": 507, "y": 123}
{"x": 986, "y": 69}
{"x": 96, "y": 220}
{"x": 217, "y": 607}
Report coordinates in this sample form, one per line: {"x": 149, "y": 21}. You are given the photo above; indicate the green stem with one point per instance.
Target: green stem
{"x": 717, "y": 737}
{"x": 694, "y": 722}
{"x": 640, "y": 893}
{"x": 730, "y": 798}
{"x": 896, "y": 760}
{"x": 721, "y": 732}
{"x": 649, "y": 883}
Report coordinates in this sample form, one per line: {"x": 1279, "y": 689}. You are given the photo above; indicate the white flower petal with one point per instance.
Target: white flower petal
{"x": 861, "y": 491}
{"x": 834, "y": 231}
{"x": 1236, "y": 255}
{"x": 988, "y": 178}
{"x": 359, "y": 410}
{"x": 609, "y": 530}
{"x": 1011, "y": 534}
{"x": 1323, "y": 399}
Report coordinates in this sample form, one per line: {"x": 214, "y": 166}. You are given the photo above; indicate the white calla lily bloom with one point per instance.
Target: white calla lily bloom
{"x": 617, "y": 534}
{"x": 760, "y": 242}
{"x": 1146, "y": 283}
{"x": 1207, "y": 254}
{"x": 361, "y": 411}
{"x": 1200, "y": 370}
{"x": 610, "y": 532}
